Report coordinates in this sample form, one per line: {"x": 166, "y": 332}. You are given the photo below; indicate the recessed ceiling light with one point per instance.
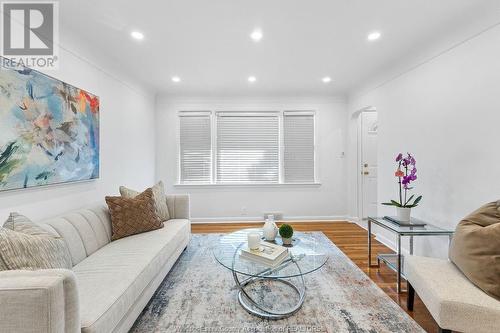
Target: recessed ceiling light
{"x": 137, "y": 35}
{"x": 252, "y": 79}
{"x": 326, "y": 79}
{"x": 256, "y": 35}
{"x": 374, "y": 35}
{"x": 176, "y": 79}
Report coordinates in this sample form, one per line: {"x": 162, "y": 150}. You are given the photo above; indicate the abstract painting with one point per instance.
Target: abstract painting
{"x": 49, "y": 131}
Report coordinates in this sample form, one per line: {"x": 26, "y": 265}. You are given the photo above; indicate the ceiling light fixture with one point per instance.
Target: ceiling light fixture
{"x": 256, "y": 35}
{"x": 326, "y": 79}
{"x": 372, "y": 36}
{"x": 176, "y": 79}
{"x": 252, "y": 79}
{"x": 137, "y": 35}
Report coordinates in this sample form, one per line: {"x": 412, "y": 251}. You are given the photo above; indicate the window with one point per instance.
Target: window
{"x": 298, "y": 159}
{"x": 246, "y": 147}
{"x": 195, "y": 147}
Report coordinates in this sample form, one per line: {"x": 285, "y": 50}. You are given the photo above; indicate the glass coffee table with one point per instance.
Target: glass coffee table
{"x": 257, "y": 282}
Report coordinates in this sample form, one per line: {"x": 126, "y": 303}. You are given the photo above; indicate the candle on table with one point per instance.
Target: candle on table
{"x": 253, "y": 240}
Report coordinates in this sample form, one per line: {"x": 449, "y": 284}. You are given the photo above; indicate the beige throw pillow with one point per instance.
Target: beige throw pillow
{"x": 21, "y": 223}
{"x": 130, "y": 216}
{"x": 25, "y": 245}
{"x": 475, "y": 248}
{"x": 160, "y": 199}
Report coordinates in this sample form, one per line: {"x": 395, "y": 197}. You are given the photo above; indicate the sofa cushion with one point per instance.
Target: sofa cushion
{"x": 130, "y": 216}
{"x": 26, "y": 245}
{"x": 21, "y": 223}
{"x": 84, "y": 231}
{"x": 159, "y": 196}
{"x": 454, "y": 302}
{"x": 475, "y": 248}
{"x": 113, "y": 278}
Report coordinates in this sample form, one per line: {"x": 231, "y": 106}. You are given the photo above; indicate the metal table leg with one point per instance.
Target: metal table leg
{"x": 259, "y": 310}
{"x": 398, "y": 289}
{"x": 369, "y": 243}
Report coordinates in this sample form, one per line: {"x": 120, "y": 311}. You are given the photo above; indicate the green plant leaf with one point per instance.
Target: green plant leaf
{"x": 415, "y": 203}
{"x": 395, "y": 203}
{"x": 387, "y": 203}
{"x": 417, "y": 200}
{"x": 411, "y": 197}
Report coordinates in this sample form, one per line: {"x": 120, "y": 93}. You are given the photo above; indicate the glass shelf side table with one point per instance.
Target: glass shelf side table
{"x": 396, "y": 261}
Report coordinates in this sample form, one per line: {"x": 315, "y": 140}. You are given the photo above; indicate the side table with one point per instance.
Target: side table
{"x": 396, "y": 261}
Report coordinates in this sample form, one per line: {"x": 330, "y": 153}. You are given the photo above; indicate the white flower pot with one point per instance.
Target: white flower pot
{"x": 403, "y": 214}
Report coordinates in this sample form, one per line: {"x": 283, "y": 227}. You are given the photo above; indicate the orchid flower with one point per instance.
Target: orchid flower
{"x": 406, "y": 174}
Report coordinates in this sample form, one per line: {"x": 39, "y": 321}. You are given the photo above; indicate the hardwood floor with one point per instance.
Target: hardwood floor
{"x": 352, "y": 240}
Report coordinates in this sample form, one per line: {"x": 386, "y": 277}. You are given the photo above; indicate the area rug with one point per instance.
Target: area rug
{"x": 199, "y": 295}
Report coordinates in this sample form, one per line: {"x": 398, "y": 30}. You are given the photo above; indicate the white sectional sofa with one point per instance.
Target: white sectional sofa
{"x": 110, "y": 283}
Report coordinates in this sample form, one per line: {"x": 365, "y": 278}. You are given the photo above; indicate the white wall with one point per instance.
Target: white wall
{"x": 327, "y": 201}
{"x": 447, "y": 113}
{"x": 126, "y": 129}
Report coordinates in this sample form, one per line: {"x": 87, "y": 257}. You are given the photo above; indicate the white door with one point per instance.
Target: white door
{"x": 368, "y": 167}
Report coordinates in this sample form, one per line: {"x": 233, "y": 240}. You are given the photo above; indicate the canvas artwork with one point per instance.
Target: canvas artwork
{"x": 49, "y": 131}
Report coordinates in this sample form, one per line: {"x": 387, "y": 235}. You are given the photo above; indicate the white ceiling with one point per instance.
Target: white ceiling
{"x": 206, "y": 42}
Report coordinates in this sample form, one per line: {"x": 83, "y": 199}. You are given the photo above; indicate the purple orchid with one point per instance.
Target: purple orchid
{"x": 406, "y": 174}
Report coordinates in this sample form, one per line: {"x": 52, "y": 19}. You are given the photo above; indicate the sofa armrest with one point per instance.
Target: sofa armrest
{"x": 39, "y": 301}
{"x": 178, "y": 206}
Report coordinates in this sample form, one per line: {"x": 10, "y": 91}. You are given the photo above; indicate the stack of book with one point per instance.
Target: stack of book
{"x": 268, "y": 254}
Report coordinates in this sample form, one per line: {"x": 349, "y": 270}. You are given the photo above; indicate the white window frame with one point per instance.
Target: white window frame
{"x": 213, "y": 143}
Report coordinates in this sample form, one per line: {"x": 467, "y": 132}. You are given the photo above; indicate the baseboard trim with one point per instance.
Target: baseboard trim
{"x": 259, "y": 219}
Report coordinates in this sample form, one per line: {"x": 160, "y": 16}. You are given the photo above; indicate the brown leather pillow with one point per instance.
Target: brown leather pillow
{"x": 475, "y": 248}
{"x": 130, "y": 216}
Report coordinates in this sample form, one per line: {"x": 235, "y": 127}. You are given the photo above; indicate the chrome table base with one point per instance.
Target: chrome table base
{"x": 254, "y": 307}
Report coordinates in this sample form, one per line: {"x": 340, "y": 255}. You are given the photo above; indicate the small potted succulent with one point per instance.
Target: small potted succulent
{"x": 286, "y": 233}
{"x": 406, "y": 173}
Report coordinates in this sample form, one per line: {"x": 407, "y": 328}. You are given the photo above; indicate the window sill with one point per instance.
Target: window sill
{"x": 315, "y": 184}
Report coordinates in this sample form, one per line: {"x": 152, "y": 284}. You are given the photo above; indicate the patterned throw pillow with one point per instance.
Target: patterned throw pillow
{"x": 159, "y": 196}
{"x": 21, "y": 223}
{"x": 130, "y": 216}
{"x": 25, "y": 245}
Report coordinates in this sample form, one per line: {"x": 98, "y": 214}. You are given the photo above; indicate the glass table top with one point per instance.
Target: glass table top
{"x": 305, "y": 256}
{"x": 427, "y": 229}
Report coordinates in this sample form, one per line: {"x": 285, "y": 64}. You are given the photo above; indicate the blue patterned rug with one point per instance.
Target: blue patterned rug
{"x": 199, "y": 295}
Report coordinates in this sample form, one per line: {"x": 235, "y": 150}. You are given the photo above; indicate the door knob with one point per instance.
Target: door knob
{"x": 366, "y": 165}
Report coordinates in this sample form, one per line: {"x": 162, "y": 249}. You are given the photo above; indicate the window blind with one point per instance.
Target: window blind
{"x": 195, "y": 147}
{"x": 298, "y": 155}
{"x": 247, "y": 147}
